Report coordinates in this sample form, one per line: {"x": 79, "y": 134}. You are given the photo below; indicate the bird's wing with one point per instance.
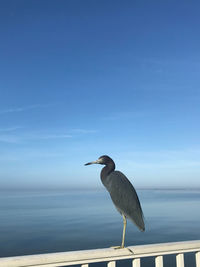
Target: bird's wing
{"x": 125, "y": 198}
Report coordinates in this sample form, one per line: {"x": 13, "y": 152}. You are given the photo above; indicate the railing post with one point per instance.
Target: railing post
{"x": 136, "y": 263}
{"x": 197, "y": 255}
{"x": 159, "y": 261}
{"x": 111, "y": 264}
{"x": 180, "y": 260}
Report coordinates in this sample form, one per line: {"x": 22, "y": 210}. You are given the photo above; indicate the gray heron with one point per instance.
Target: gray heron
{"x": 122, "y": 194}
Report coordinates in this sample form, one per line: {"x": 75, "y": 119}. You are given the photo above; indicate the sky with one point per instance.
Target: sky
{"x": 80, "y": 79}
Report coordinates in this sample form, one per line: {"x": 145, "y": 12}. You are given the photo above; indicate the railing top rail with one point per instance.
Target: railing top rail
{"x": 163, "y": 248}
{"x": 98, "y": 255}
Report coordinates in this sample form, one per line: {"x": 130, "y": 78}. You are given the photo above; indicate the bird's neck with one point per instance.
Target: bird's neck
{"x": 110, "y": 167}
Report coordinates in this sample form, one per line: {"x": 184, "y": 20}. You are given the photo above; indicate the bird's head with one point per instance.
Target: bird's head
{"x": 103, "y": 160}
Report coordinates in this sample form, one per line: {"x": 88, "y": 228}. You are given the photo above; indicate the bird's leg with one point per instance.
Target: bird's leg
{"x": 124, "y": 231}
{"x": 123, "y": 235}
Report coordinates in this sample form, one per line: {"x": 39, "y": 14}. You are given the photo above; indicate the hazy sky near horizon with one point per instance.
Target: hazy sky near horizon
{"x": 80, "y": 79}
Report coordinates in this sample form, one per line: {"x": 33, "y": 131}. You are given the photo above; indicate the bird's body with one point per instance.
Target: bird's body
{"x": 122, "y": 193}
{"x": 125, "y": 198}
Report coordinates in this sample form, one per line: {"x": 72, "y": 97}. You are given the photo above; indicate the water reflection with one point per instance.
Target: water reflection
{"x": 41, "y": 222}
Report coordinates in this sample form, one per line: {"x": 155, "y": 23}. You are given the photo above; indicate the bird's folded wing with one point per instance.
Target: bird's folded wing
{"x": 125, "y": 198}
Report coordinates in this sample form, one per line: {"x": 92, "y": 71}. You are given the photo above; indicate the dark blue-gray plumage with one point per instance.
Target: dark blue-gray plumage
{"x": 122, "y": 194}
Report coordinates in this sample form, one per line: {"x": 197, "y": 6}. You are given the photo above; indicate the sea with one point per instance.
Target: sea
{"x": 35, "y": 222}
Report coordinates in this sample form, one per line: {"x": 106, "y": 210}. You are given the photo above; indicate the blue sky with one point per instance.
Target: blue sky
{"x": 80, "y": 79}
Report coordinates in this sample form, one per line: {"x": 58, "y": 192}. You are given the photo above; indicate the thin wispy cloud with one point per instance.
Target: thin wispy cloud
{"x": 7, "y": 135}
{"x": 82, "y": 131}
{"x": 48, "y": 136}
{"x": 11, "y": 138}
{"x": 27, "y": 154}
{"x": 170, "y": 61}
{"x": 178, "y": 164}
{"x": 170, "y": 66}
{"x": 173, "y": 159}
{"x": 10, "y": 129}
{"x": 24, "y": 108}
{"x": 126, "y": 115}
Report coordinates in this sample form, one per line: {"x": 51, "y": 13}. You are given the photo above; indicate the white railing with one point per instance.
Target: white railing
{"x": 109, "y": 255}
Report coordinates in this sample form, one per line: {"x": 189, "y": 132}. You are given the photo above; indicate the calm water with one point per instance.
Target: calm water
{"x": 32, "y": 223}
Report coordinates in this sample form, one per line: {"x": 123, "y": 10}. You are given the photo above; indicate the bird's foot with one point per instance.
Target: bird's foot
{"x": 117, "y": 247}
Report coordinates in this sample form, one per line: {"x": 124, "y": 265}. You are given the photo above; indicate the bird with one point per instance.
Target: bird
{"x": 122, "y": 193}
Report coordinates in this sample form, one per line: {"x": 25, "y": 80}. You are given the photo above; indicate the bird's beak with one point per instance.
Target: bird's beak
{"x": 92, "y": 162}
